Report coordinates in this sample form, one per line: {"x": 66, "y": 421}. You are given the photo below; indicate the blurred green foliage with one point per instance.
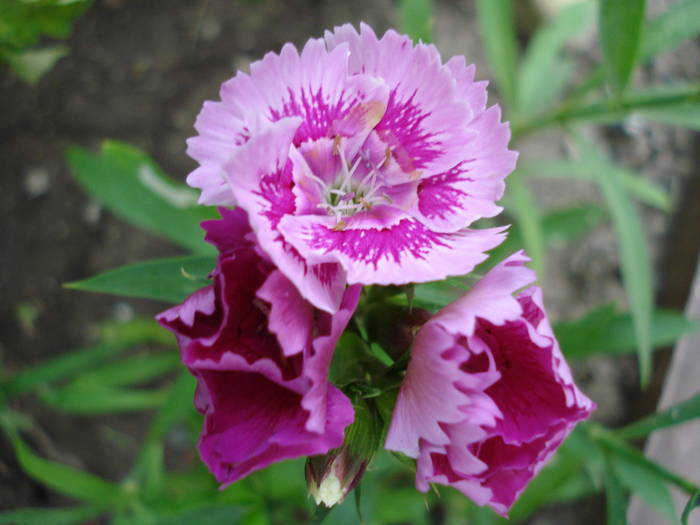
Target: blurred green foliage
{"x": 24, "y": 24}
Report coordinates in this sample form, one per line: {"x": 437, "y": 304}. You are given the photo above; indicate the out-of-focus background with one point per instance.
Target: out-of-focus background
{"x": 138, "y": 72}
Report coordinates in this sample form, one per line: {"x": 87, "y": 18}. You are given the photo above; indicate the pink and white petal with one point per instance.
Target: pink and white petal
{"x": 220, "y": 132}
{"x": 488, "y": 146}
{"x": 261, "y": 176}
{"x": 406, "y": 252}
{"x": 216, "y": 190}
{"x": 428, "y": 398}
{"x": 470, "y": 92}
{"x": 317, "y": 361}
{"x": 311, "y": 86}
{"x": 490, "y": 298}
{"x": 291, "y": 317}
{"x": 433, "y": 466}
{"x": 452, "y": 200}
{"x": 424, "y": 123}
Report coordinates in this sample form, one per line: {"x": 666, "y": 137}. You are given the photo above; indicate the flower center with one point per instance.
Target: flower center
{"x": 348, "y": 194}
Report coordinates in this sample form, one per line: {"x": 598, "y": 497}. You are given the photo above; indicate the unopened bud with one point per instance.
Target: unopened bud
{"x": 331, "y": 477}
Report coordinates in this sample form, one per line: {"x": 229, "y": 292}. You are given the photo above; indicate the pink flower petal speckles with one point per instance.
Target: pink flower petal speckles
{"x": 487, "y": 397}
{"x": 359, "y": 160}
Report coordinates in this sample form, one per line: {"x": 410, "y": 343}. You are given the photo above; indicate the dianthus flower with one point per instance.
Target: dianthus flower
{"x": 260, "y": 354}
{"x": 358, "y": 160}
{"x": 487, "y": 396}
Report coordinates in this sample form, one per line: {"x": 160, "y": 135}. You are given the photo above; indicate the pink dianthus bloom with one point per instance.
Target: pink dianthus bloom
{"x": 359, "y": 160}
{"x": 487, "y": 396}
{"x": 260, "y": 354}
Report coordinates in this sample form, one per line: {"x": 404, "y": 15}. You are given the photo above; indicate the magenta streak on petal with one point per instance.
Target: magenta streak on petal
{"x": 318, "y": 116}
{"x": 437, "y": 197}
{"x": 276, "y": 189}
{"x": 370, "y": 246}
{"x": 412, "y": 146}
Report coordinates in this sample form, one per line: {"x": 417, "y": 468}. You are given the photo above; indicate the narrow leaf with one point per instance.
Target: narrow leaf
{"x": 618, "y": 447}
{"x": 416, "y": 19}
{"x": 680, "y": 413}
{"x": 693, "y": 503}
{"x": 169, "y": 280}
{"x": 636, "y": 185}
{"x": 206, "y": 515}
{"x": 80, "y": 398}
{"x": 62, "y": 367}
{"x": 497, "y": 26}
{"x": 528, "y": 219}
{"x": 614, "y": 497}
{"x": 130, "y": 370}
{"x": 651, "y": 488}
{"x": 679, "y": 22}
{"x": 684, "y": 115}
{"x": 620, "y": 24}
{"x": 133, "y": 187}
{"x": 32, "y": 516}
{"x": 66, "y": 480}
{"x": 603, "y": 331}
{"x": 633, "y": 253}
{"x": 544, "y": 70}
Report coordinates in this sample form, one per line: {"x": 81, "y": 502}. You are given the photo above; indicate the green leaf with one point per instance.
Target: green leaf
{"x": 67, "y": 516}
{"x": 611, "y": 111}
{"x": 680, "y": 413}
{"x": 638, "y": 479}
{"x": 527, "y": 217}
{"x": 170, "y": 280}
{"x": 206, "y": 515}
{"x": 678, "y": 23}
{"x": 693, "y": 503}
{"x": 32, "y": 64}
{"x": 604, "y": 331}
{"x": 616, "y": 446}
{"x": 176, "y": 407}
{"x": 620, "y": 26}
{"x": 23, "y": 22}
{"x": 81, "y": 398}
{"x": 438, "y": 294}
{"x": 401, "y": 505}
{"x": 544, "y": 70}
{"x": 130, "y": 370}
{"x": 684, "y": 115}
{"x": 133, "y": 187}
{"x": 615, "y": 498}
{"x": 558, "y": 227}
{"x": 63, "y": 479}
{"x": 633, "y": 254}
{"x": 416, "y": 19}
{"x": 635, "y": 184}
{"x": 62, "y": 367}
{"x": 497, "y": 27}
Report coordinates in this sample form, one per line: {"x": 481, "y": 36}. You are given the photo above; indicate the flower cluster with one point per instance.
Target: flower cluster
{"x": 365, "y": 161}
